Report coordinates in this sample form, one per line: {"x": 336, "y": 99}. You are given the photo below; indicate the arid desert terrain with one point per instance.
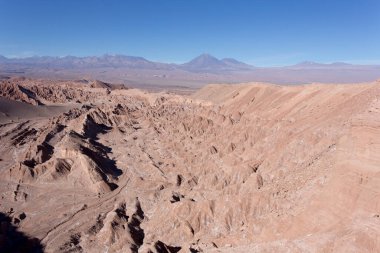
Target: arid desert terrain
{"x": 86, "y": 166}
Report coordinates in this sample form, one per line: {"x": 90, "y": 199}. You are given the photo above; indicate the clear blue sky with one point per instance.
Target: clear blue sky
{"x": 260, "y": 32}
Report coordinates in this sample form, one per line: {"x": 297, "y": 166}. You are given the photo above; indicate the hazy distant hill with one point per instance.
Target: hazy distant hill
{"x": 236, "y": 64}
{"x": 206, "y": 62}
{"x": 316, "y": 65}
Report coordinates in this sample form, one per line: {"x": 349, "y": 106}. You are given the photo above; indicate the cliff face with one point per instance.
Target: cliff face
{"x": 242, "y": 168}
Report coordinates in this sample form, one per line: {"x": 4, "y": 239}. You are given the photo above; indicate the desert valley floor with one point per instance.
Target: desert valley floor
{"x": 89, "y": 167}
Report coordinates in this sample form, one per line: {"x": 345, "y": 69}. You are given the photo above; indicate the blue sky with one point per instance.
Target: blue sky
{"x": 259, "y": 32}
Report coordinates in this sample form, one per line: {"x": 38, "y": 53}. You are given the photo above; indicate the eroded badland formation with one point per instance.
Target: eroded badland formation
{"x": 88, "y": 167}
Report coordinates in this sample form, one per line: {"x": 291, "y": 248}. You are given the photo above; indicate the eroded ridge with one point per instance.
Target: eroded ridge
{"x": 253, "y": 167}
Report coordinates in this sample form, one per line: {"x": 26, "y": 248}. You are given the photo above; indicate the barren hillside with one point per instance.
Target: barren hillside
{"x": 232, "y": 168}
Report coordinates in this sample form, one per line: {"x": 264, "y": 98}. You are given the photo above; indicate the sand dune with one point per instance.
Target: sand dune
{"x": 232, "y": 168}
{"x": 11, "y": 110}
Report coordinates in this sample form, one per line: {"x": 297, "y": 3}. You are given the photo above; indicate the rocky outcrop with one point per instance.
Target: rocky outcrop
{"x": 17, "y": 92}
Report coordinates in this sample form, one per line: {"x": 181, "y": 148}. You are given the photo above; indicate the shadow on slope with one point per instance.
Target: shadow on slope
{"x": 12, "y": 240}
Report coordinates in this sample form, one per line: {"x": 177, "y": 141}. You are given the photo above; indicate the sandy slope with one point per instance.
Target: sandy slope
{"x": 233, "y": 168}
{"x": 11, "y": 110}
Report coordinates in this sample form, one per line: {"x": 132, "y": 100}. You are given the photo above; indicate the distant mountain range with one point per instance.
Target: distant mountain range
{"x": 87, "y": 62}
{"x": 205, "y": 68}
{"x": 201, "y": 63}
